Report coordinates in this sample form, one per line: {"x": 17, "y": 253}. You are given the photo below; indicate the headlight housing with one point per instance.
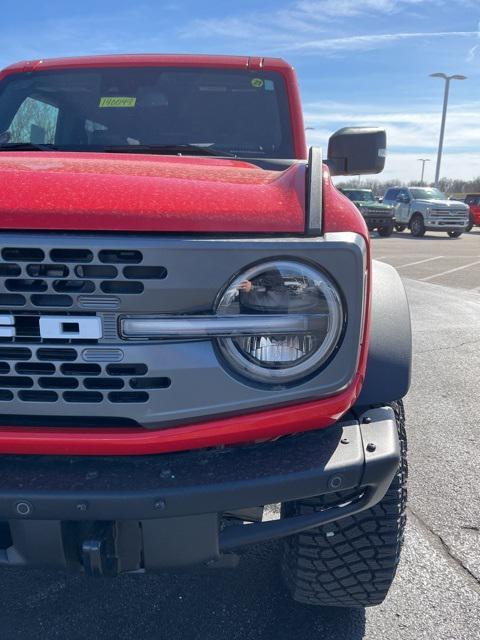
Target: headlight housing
{"x": 299, "y": 319}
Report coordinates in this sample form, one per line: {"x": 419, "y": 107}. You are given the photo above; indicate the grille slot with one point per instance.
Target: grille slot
{"x": 17, "y": 254}
{"x": 71, "y": 255}
{"x": 16, "y": 382}
{"x": 35, "y": 368}
{"x": 5, "y": 396}
{"x": 81, "y": 369}
{"x": 126, "y": 369}
{"x": 82, "y": 396}
{"x": 120, "y": 256}
{"x": 47, "y": 270}
{"x": 61, "y": 355}
{"x": 96, "y": 271}
{"x": 51, "y": 301}
{"x": 10, "y": 270}
{"x": 15, "y": 353}
{"x": 4, "y": 367}
{"x": 23, "y": 284}
{"x": 74, "y": 286}
{"x": 128, "y": 396}
{"x": 12, "y": 300}
{"x": 150, "y": 383}
{"x": 38, "y": 396}
{"x": 57, "y": 382}
{"x": 117, "y": 286}
{"x": 145, "y": 273}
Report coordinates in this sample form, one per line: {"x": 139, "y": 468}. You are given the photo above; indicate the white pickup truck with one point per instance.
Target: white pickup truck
{"x": 424, "y": 209}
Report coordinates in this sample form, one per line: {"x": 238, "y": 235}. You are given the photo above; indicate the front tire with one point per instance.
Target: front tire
{"x": 469, "y": 227}
{"x": 386, "y": 231}
{"x": 417, "y": 226}
{"x": 352, "y": 562}
{"x": 454, "y": 234}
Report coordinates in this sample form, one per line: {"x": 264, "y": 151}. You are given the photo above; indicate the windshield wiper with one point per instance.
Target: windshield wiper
{"x": 168, "y": 149}
{"x": 26, "y": 146}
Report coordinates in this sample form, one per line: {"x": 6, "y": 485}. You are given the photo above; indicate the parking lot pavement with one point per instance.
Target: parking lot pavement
{"x": 435, "y": 258}
{"x": 436, "y": 594}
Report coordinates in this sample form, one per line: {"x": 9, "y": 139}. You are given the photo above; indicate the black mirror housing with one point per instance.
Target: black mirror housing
{"x": 354, "y": 151}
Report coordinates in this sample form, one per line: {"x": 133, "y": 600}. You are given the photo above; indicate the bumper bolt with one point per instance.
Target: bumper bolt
{"x": 335, "y": 482}
{"x": 345, "y": 441}
{"x": 24, "y": 508}
{"x": 367, "y": 420}
{"x": 159, "y": 504}
{"x": 371, "y": 446}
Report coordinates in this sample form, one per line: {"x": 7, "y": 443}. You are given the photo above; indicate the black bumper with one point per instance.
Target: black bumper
{"x": 379, "y": 220}
{"x": 118, "y": 514}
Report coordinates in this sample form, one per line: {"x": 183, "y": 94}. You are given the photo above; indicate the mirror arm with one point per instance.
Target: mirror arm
{"x": 314, "y": 203}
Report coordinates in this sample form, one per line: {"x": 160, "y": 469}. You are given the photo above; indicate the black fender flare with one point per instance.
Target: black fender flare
{"x": 389, "y": 359}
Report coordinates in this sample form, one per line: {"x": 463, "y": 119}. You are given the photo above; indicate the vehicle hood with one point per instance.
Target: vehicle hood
{"x": 123, "y": 192}
{"x": 443, "y": 204}
{"x": 373, "y": 204}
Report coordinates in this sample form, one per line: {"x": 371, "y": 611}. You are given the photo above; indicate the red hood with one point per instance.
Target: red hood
{"x": 100, "y": 192}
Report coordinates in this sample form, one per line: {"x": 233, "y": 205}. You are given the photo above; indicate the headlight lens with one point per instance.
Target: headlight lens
{"x": 282, "y": 288}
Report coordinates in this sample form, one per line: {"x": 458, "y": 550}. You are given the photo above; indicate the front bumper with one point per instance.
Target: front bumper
{"x": 379, "y": 220}
{"x": 108, "y": 515}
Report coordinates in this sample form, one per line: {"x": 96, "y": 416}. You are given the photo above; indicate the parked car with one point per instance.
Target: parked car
{"x": 376, "y": 215}
{"x": 192, "y": 327}
{"x": 422, "y": 209}
{"x": 473, "y": 202}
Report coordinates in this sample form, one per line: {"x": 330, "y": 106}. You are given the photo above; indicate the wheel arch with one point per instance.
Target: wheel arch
{"x": 389, "y": 360}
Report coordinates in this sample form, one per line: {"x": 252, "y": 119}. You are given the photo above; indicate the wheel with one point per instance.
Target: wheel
{"x": 352, "y": 562}
{"x": 417, "y": 226}
{"x": 454, "y": 234}
{"x": 386, "y": 231}
{"x": 400, "y": 227}
{"x": 469, "y": 227}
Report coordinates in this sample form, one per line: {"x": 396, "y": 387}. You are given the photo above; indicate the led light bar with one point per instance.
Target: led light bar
{"x": 221, "y": 326}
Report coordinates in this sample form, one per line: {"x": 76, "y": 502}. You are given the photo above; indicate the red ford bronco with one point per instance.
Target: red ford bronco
{"x": 192, "y": 328}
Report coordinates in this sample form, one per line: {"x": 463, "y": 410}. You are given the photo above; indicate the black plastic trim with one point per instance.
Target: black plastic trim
{"x": 390, "y": 348}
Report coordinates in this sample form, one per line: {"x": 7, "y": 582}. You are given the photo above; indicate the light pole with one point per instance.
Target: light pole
{"x": 444, "y": 117}
{"x": 423, "y": 161}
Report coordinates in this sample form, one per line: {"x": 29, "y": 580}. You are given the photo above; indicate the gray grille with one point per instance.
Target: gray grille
{"x": 48, "y": 374}
{"x": 448, "y": 217}
{"x": 55, "y": 278}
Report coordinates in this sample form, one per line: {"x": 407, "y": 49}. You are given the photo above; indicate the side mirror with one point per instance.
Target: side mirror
{"x": 354, "y": 151}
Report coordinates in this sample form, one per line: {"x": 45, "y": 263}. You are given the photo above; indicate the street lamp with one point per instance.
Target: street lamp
{"x": 423, "y": 161}
{"x": 444, "y": 117}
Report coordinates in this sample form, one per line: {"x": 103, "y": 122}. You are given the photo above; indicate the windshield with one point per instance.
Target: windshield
{"x": 238, "y": 112}
{"x": 428, "y": 194}
{"x": 359, "y": 195}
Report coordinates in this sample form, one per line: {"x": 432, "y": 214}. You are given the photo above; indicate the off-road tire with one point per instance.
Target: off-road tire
{"x": 400, "y": 227}
{"x": 417, "y": 226}
{"x": 356, "y": 565}
{"x": 470, "y": 224}
{"x": 386, "y": 231}
{"x": 454, "y": 234}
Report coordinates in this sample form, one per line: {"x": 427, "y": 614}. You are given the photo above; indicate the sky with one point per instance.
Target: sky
{"x": 359, "y": 62}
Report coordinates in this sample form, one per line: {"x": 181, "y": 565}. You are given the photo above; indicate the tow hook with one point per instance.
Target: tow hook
{"x": 99, "y": 554}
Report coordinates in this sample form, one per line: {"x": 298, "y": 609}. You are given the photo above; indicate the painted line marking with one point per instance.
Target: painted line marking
{"x": 380, "y": 257}
{"x": 444, "y": 273}
{"x": 410, "y": 264}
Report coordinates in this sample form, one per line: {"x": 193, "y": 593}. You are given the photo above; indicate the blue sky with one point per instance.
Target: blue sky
{"x": 358, "y": 61}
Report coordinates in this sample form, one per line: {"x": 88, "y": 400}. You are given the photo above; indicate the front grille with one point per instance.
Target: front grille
{"x": 50, "y": 375}
{"x": 52, "y": 279}
{"x": 448, "y": 217}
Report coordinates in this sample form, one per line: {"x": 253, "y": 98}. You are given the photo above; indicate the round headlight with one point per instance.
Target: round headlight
{"x": 299, "y": 316}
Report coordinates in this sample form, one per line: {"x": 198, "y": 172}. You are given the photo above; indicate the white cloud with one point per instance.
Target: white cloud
{"x": 416, "y": 128}
{"x": 289, "y": 29}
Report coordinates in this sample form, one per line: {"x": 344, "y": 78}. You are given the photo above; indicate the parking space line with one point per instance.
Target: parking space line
{"x": 410, "y": 264}
{"x": 444, "y": 273}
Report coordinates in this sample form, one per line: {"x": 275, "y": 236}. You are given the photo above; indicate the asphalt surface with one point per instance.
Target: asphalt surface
{"x": 436, "y": 594}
